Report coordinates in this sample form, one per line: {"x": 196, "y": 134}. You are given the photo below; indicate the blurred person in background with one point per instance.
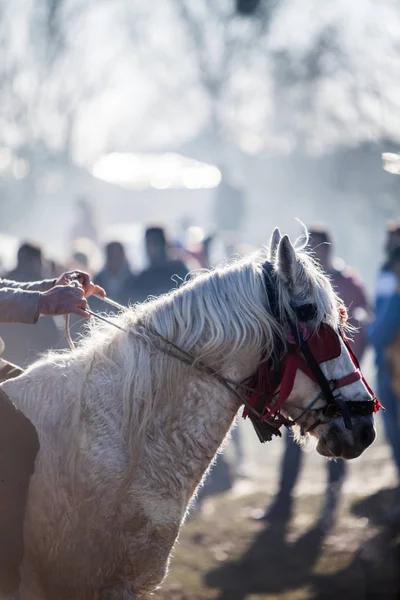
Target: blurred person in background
{"x": 84, "y": 225}
{"x": 195, "y": 243}
{"x": 352, "y": 292}
{"x": 23, "y": 302}
{"x": 24, "y": 342}
{"x": 229, "y": 205}
{"x": 387, "y": 282}
{"x": 85, "y": 254}
{"x": 384, "y": 334}
{"x": 116, "y": 276}
{"x": 162, "y": 273}
{"x": 79, "y": 260}
{"x": 29, "y": 264}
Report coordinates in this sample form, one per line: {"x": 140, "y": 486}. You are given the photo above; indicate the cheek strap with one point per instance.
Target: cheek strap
{"x": 323, "y": 383}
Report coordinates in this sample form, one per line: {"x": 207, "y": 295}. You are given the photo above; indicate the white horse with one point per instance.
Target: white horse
{"x": 128, "y": 430}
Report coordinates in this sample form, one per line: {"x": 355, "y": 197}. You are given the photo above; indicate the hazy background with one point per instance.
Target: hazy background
{"x": 296, "y": 100}
{"x": 143, "y": 107}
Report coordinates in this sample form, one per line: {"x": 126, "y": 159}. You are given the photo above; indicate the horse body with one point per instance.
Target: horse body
{"x": 70, "y": 504}
{"x": 127, "y": 431}
{"x": 74, "y": 494}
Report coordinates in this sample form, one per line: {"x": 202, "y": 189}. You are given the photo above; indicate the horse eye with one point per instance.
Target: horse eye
{"x": 306, "y": 312}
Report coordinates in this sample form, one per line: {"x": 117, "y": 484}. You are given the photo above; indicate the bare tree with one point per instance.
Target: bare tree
{"x": 212, "y": 49}
{"x": 225, "y": 44}
{"x": 260, "y": 76}
{"x": 47, "y": 82}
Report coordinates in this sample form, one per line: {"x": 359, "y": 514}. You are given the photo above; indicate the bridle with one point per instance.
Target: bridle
{"x": 305, "y": 350}
{"x": 268, "y": 389}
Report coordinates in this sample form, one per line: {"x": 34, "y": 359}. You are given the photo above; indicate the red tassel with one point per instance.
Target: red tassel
{"x": 264, "y": 389}
{"x": 287, "y": 383}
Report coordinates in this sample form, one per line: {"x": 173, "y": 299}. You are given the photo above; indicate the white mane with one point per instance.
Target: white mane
{"x": 213, "y": 316}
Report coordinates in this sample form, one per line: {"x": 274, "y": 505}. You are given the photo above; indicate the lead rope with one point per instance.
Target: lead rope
{"x": 188, "y": 358}
{"x": 68, "y": 334}
{"x": 95, "y": 315}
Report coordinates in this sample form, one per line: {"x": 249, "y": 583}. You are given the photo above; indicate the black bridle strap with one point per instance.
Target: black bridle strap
{"x": 271, "y": 288}
{"x": 321, "y": 379}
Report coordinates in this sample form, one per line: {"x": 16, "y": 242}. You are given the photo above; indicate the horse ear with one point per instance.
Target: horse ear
{"x": 274, "y": 242}
{"x": 286, "y": 261}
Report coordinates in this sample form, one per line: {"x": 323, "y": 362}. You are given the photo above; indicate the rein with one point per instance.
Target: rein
{"x": 184, "y": 357}
{"x": 275, "y": 379}
{"x": 93, "y": 314}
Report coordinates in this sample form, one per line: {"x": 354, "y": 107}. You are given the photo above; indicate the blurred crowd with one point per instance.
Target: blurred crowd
{"x": 375, "y": 323}
{"x": 168, "y": 262}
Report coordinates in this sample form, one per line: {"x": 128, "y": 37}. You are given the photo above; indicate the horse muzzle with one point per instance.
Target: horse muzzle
{"x": 338, "y": 442}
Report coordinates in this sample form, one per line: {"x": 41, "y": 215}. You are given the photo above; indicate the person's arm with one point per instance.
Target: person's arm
{"x": 359, "y": 310}
{"x": 385, "y": 328}
{"x": 47, "y": 284}
{"x": 25, "y": 302}
{"x": 19, "y": 306}
{"x": 32, "y": 286}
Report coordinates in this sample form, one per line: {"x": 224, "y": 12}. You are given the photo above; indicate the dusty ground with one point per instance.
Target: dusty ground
{"x": 224, "y": 553}
{"x": 227, "y": 555}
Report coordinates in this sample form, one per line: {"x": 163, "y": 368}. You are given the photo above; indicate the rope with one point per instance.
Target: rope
{"x": 187, "y": 358}
{"x": 68, "y": 333}
{"x": 111, "y": 302}
{"x": 97, "y": 316}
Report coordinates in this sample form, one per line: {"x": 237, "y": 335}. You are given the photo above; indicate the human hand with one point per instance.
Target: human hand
{"x": 83, "y": 278}
{"x": 62, "y": 300}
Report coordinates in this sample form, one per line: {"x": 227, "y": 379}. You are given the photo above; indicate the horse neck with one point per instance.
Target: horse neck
{"x": 194, "y": 410}
{"x": 188, "y": 430}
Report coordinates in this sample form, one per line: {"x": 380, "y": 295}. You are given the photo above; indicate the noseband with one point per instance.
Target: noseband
{"x": 304, "y": 351}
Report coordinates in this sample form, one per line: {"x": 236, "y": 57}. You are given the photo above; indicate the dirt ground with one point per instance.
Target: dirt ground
{"x": 226, "y": 553}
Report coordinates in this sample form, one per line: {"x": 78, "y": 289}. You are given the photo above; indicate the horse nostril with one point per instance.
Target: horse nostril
{"x": 366, "y": 435}
{"x": 334, "y": 442}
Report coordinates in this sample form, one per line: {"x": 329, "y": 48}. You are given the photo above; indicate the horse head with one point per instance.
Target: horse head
{"x": 318, "y": 384}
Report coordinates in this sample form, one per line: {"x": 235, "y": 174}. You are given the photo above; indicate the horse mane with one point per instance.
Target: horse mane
{"x": 213, "y": 316}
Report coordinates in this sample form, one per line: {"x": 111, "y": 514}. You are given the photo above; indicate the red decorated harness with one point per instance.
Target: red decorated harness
{"x": 306, "y": 351}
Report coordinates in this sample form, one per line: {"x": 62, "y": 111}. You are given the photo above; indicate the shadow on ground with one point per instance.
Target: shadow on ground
{"x": 312, "y": 567}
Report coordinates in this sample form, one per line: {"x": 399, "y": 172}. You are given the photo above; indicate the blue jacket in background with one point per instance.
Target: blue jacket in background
{"x": 382, "y": 332}
{"x": 386, "y": 326}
